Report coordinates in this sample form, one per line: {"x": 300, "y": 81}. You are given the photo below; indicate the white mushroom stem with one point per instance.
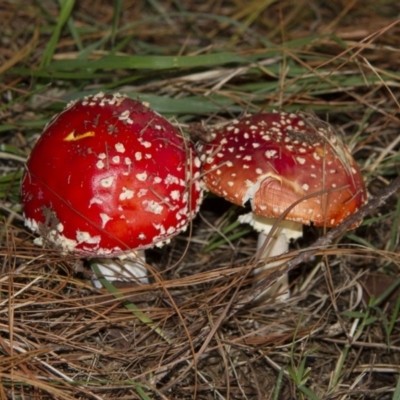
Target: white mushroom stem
{"x": 277, "y": 244}
{"x": 129, "y": 267}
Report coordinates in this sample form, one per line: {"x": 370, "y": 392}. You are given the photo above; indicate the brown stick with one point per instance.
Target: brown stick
{"x": 238, "y": 302}
{"x": 325, "y": 240}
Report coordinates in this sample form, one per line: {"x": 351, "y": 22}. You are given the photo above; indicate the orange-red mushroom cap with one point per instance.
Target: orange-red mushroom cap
{"x": 274, "y": 160}
{"x": 109, "y": 175}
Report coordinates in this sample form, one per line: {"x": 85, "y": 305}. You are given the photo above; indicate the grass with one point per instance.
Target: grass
{"x": 337, "y": 337}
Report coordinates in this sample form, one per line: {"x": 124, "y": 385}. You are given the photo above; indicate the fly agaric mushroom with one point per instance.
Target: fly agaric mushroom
{"x": 109, "y": 177}
{"x": 289, "y": 166}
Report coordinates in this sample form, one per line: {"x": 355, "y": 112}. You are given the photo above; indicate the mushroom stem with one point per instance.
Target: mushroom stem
{"x": 271, "y": 246}
{"x": 277, "y": 244}
{"x": 131, "y": 268}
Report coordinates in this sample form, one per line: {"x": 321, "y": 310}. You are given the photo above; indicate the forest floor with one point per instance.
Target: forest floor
{"x": 206, "y": 337}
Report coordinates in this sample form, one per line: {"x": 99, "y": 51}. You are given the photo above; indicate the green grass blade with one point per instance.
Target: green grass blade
{"x": 396, "y": 394}
{"x": 148, "y": 62}
{"x": 115, "y": 21}
{"x": 65, "y": 12}
{"x": 278, "y": 384}
{"x": 395, "y": 227}
{"x": 75, "y": 34}
{"x": 142, "y": 393}
{"x": 309, "y": 393}
{"x": 394, "y": 317}
{"x": 128, "y": 304}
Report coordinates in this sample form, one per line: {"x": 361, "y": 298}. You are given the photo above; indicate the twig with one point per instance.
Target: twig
{"x": 325, "y": 240}
{"x": 238, "y": 302}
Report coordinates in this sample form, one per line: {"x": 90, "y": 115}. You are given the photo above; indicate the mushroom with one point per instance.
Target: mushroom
{"x": 291, "y": 167}
{"x": 108, "y": 178}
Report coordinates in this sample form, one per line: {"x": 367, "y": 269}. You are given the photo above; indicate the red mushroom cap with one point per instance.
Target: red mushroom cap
{"x": 109, "y": 175}
{"x": 277, "y": 159}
